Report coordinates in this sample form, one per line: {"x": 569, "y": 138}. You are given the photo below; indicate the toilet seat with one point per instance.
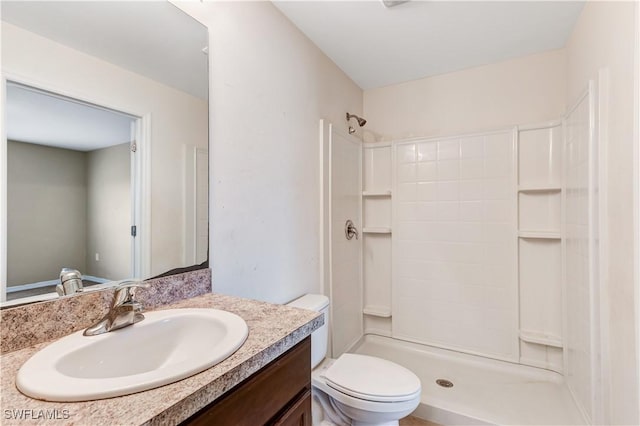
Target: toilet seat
{"x": 372, "y": 379}
{"x": 320, "y": 383}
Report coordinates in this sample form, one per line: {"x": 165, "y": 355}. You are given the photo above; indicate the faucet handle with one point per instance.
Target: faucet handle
{"x": 126, "y": 291}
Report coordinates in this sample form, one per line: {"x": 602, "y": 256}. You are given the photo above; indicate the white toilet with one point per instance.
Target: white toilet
{"x": 355, "y": 389}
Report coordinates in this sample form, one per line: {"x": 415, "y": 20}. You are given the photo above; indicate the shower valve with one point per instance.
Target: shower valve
{"x": 350, "y": 230}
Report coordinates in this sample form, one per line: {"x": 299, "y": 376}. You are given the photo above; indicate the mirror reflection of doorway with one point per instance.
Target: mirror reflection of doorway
{"x": 70, "y": 191}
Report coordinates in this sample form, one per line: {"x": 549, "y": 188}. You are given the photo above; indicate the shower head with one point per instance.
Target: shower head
{"x": 361, "y": 121}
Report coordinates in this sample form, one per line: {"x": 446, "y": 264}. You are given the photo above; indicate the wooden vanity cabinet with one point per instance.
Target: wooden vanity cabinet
{"x": 278, "y": 394}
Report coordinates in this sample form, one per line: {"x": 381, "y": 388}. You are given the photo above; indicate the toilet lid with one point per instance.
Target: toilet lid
{"x": 371, "y": 378}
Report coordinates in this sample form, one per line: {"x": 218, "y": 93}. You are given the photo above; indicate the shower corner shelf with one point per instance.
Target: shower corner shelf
{"x": 383, "y": 193}
{"x": 377, "y": 311}
{"x": 543, "y": 235}
{"x": 533, "y": 189}
{"x": 376, "y": 230}
{"x": 540, "y": 338}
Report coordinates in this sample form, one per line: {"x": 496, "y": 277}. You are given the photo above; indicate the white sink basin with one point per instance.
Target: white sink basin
{"x": 165, "y": 347}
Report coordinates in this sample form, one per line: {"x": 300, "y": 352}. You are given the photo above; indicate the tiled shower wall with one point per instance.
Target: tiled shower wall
{"x": 454, "y": 246}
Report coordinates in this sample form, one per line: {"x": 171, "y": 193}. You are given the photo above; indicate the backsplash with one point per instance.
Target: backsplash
{"x": 28, "y": 325}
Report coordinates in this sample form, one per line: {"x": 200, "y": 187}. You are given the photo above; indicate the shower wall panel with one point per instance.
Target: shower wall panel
{"x": 580, "y": 251}
{"x": 346, "y": 255}
{"x": 376, "y": 243}
{"x": 454, "y": 244}
{"x": 540, "y": 174}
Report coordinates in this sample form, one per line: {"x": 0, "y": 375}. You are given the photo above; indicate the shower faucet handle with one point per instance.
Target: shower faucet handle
{"x": 350, "y": 230}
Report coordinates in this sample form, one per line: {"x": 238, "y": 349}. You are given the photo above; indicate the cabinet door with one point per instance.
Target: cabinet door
{"x": 264, "y": 396}
{"x": 299, "y": 414}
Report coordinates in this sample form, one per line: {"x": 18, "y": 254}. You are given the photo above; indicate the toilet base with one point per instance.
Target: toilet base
{"x": 389, "y": 423}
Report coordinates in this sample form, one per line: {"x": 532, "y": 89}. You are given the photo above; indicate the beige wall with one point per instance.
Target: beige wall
{"x": 530, "y": 89}
{"x": 65, "y": 206}
{"x": 109, "y": 212}
{"x": 176, "y": 118}
{"x": 270, "y": 86}
{"x": 603, "y": 38}
{"x": 46, "y": 212}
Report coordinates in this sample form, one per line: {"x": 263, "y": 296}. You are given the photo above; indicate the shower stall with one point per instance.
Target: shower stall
{"x": 476, "y": 266}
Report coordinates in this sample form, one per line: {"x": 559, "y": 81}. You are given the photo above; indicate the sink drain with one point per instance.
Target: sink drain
{"x": 444, "y": 383}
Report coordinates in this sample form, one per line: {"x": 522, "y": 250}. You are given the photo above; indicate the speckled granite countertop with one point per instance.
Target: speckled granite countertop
{"x": 273, "y": 329}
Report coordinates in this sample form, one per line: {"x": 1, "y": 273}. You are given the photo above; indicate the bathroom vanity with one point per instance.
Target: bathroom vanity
{"x": 267, "y": 380}
{"x": 279, "y": 394}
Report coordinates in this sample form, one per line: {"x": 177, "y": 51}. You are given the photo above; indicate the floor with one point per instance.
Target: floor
{"x": 414, "y": 421}
{"x": 485, "y": 391}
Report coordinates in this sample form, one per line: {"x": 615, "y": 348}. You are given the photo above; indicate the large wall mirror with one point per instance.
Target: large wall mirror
{"x": 104, "y": 155}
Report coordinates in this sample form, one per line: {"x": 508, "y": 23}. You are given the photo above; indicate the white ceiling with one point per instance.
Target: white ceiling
{"x": 37, "y": 117}
{"x": 152, "y": 38}
{"x": 378, "y": 46}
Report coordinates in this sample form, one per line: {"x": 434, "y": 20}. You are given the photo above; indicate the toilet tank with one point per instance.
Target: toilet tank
{"x": 320, "y": 337}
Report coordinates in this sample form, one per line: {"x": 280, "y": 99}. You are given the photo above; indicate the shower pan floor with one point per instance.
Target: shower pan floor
{"x": 484, "y": 391}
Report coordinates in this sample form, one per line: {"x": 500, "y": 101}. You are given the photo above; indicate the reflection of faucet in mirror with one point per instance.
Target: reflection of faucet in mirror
{"x": 70, "y": 282}
{"x": 125, "y": 310}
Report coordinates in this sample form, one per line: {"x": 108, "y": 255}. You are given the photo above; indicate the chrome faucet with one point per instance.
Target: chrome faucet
{"x": 70, "y": 282}
{"x": 125, "y": 310}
